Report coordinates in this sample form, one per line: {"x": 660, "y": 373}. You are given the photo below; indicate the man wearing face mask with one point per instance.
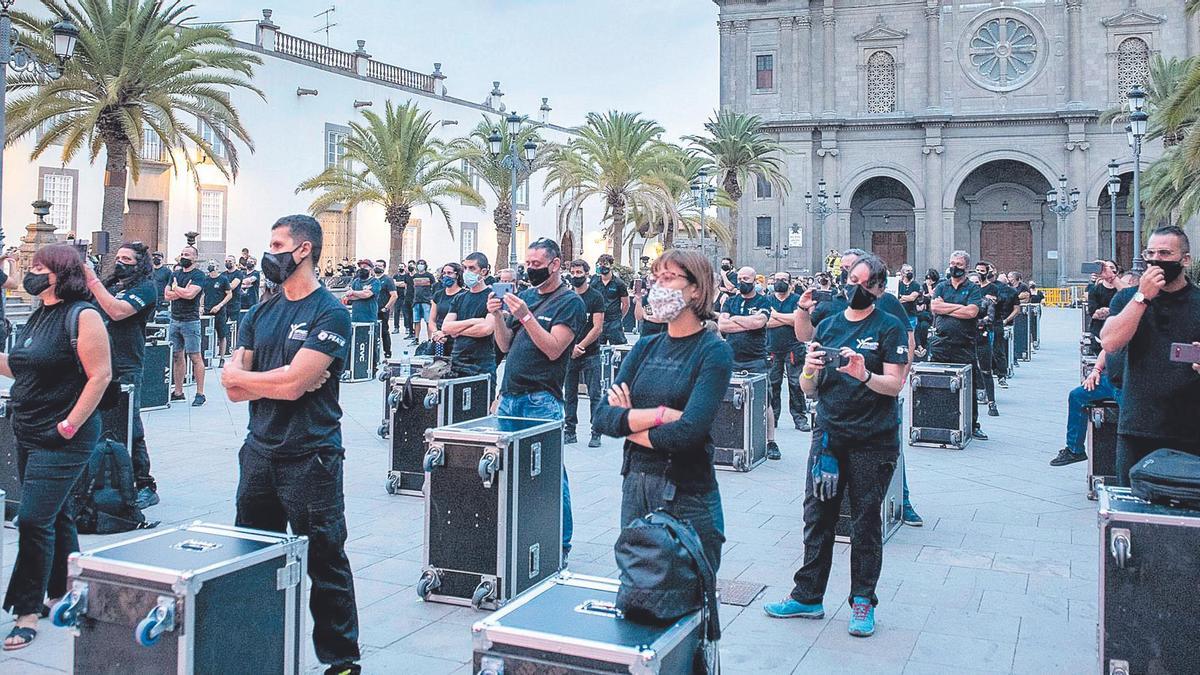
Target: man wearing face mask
{"x": 616, "y": 301}
{"x": 234, "y": 277}
{"x": 423, "y": 282}
{"x": 217, "y": 295}
{"x": 538, "y": 334}
{"x": 989, "y": 318}
{"x": 784, "y": 352}
{"x": 251, "y": 281}
{"x": 585, "y": 355}
{"x": 726, "y": 280}
{"x": 955, "y": 304}
{"x": 292, "y": 348}
{"x": 404, "y": 289}
{"x": 360, "y": 298}
{"x": 1100, "y": 296}
{"x": 469, "y": 323}
{"x": 908, "y": 292}
{"x": 387, "y": 300}
{"x": 1160, "y": 398}
{"x": 184, "y": 330}
{"x": 161, "y": 275}
{"x": 743, "y": 322}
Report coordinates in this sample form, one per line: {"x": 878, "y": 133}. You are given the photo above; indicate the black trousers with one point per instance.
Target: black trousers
{"x": 940, "y": 352}
{"x": 1000, "y": 354}
{"x": 305, "y": 493}
{"x": 1133, "y": 449}
{"x": 780, "y": 364}
{"x": 384, "y": 334}
{"x": 613, "y": 333}
{"x": 584, "y": 369}
{"x": 864, "y": 473}
{"x": 46, "y": 518}
{"x": 643, "y": 493}
{"x": 982, "y": 368}
{"x": 114, "y": 423}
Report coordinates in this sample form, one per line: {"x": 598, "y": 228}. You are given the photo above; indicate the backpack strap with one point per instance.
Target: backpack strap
{"x": 72, "y": 325}
{"x": 688, "y": 538}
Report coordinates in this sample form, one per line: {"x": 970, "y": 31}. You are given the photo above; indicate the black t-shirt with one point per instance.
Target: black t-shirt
{"x": 47, "y": 376}
{"x": 950, "y": 330}
{"x": 235, "y": 302}
{"x": 406, "y": 293}
{"x": 529, "y": 370}
{"x": 468, "y": 305}
{"x": 782, "y": 338}
{"x": 1161, "y": 398}
{"x": 422, "y": 284}
{"x": 749, "y": 345}
{"x": 128, "y": 336}
{"x": 612, "y": 292}
{"x": 909, "y": 287}
{"x": 162, "y": 279}
{"x": 443, "y": 300}
{"x": 1098, "y": 296}
{"x": 849, "y": 411}
{"x": 215, "y": 289}
{"x": 250, "y": 284}
{"x": 183, "y": 309}
{"x": 593, "y": 303}
{"x": 1006, "y": 301}
{"x": 387, "y": 286}
{"x": 276, "y": 330}
{"x": 886, "y": 302}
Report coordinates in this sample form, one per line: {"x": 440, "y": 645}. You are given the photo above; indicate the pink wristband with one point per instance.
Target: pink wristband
{"x": 527, "y": 317}
{"x": 658, "y": 419}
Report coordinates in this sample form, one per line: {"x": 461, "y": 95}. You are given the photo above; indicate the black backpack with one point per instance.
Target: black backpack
{"x": 105, "y": 496}
{"x": 1167, "y": 477}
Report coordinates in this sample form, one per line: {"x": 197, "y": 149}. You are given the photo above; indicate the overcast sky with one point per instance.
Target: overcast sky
{"x": 657, "y": 57}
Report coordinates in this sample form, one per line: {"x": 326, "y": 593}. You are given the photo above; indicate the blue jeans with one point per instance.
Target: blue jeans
{"x": 1077, "y": 401}
{"x": 420, "y": 312}
{"x": 543, "y": 405}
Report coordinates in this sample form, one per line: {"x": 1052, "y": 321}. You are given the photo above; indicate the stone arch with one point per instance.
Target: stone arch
{"x": 970, "y": 164}
{"x": 888, "y": 170}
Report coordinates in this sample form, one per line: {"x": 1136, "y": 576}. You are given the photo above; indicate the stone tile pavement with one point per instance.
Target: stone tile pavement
{"x": 1002, "y": 578}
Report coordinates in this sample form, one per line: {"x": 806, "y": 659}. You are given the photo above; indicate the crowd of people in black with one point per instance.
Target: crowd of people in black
{"x": 839, "y": 337}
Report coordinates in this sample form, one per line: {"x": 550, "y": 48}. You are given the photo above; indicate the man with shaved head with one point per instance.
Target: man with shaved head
{"x": 743, "y": 322}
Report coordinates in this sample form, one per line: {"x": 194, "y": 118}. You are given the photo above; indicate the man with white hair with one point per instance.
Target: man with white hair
{"x": 955, "y": 305}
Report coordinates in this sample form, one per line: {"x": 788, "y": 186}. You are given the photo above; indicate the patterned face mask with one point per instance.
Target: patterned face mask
{"x": 666, "y": 303}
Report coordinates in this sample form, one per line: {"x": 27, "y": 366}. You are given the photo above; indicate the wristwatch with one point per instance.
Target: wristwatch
{"x": 1139, "y": 297}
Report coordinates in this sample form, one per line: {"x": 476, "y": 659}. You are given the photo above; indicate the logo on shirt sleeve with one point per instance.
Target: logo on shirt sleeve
{"x": 326, "y": 336}
{"x": 902, "y": 350}
{"x": 298, "y": 331}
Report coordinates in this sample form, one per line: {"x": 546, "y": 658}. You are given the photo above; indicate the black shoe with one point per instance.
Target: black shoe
{"x": 198, "y": 401}
{"x": 178, "y": 397}
{"x": 146, "y": 497}
{"x": 992, "y": 412}
{"x": 773, "y": 450}
{"x": 1067, "y": 456}
{"x": 803, "y": 425}
{"x": 978, "y": 435}
{"x": 595, "y": 441}
{"x": 1002, "y": 383}
{"x": 569, "y": 438}
{"x": 344, "y": 669}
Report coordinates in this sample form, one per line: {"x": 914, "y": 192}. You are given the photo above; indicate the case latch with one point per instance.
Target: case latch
{"x": 535, "y": 459}
{"x": 287, "y": 576}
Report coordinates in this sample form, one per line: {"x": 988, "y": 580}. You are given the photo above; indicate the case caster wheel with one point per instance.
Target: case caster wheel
{"x": 382, "y": 430}
{"x": 432, "y": 458}
{"x": 345, "y": 376}
{"x": 160, "y": 620}
{"x": 427, "y": 584}
{"x": 145, "y": 632}
{"x": 65, "y": 613}
{"x": 393, "y": 400}
{"x": 392, "y": 485}
{"x": 431, "y": 400}
{"x": 487, "y": 468}
{"x": 482, "y": 594}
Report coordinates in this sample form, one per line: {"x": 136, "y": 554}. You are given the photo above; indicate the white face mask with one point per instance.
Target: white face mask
{"x": 666, "y": 303}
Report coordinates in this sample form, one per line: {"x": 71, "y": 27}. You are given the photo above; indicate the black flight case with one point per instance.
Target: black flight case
{"x": 1035, "y": 323}
{"x": 156, "y": 369}
{"x": 200, "y": 598}
{"x": 570, "y": 625}
{"x": 396, "y": 367}
{"x": 493, "y": 510}
{"x": 360, "y": 367}
{"x": 611, "y": 357}
{"x": 10, "y": 473}
{"x": 1101, "y": 445}
{"x": 939, "y": 405}
{"x": 1149, "y": 573}
{"x": 416, "y": 404}
{"x": 1022, "y": 344}
{"x": 739, "y": 431}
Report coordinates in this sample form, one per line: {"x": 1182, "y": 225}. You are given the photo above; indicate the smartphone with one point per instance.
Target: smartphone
{"x": 639, "y": 285}
{"x": 834, "y": 359}
{"x": 822, "y": 296}
{"x": 1091, "y": 268}
{"x": 501, "y": 288}
{"x": 1183, "y": 352}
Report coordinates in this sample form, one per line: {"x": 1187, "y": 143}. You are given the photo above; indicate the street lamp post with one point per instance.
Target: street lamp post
{"x": 819, "y": 208}
{"x": 1062, "y": 204}
{"x": 702, "y": 193}
{"x": 20, "y": 58}
{"x": 1114, "y": 187}
{"x": 514, "y": 163}
{"x": 1138, "y": 119}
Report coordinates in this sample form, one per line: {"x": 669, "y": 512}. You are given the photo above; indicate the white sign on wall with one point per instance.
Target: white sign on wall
{"x": 1052, "y": 255}
{"x": 795, "y": 236}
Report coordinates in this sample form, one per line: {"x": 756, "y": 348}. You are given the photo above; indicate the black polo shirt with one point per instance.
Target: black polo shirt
{"x": 953, "y": 331}
{"x": 748, "y": 345}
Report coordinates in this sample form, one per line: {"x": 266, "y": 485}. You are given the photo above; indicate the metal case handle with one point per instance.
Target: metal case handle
{"x": 600, "y": 608}
{"x": 1120, "y": 545}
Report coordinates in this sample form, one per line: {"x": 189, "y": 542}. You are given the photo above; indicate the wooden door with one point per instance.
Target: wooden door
{"x": 1008, "y": 246}
{"x": 892, "y": 247}
{"x": 337, "y": 235}
{"x": 1124, "y": 249}
{"x": 141, "y": 224}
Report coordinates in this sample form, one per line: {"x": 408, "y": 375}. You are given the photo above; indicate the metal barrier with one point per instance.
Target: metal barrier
{"x": 1067, "y": 296}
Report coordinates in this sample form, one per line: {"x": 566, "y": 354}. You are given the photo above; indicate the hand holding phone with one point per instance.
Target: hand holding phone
{"x": 501, "y": 289}
{"x": 822, "y": 296}
{"x": 1091, "y": 268}
{"x": 1182, "y": 352}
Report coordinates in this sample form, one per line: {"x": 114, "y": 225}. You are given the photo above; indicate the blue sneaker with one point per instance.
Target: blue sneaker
{"x": 862, "y": 619}
{"x": 788, "y": 608}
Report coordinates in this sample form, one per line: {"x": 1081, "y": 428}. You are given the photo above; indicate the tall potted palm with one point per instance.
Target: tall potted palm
{"x": 612, "y": 157}
{"x": 739, "y": 151}
{"x": 136, "y": 72}
{"x": 476, "y": 152}
{"x": 394, "y": 161}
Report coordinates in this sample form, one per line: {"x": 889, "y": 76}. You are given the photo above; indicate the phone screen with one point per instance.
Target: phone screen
{"x": 1090, "y": 268}
{"x": 501, "y": 289}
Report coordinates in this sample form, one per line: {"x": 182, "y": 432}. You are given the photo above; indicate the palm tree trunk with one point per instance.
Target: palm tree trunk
{"x": 618, "y": 231}
{"x": 112, "y": 211}
{"x": 734, "y": 190}
{"x": 397, "y": 220}
{"x": 501, "y": 217}
{"x": 668, "y": 236}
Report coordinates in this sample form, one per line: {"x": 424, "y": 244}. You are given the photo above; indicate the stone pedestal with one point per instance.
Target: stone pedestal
{"x": 37, "y": 234}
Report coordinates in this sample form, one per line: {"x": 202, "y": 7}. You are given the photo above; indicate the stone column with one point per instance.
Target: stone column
{"x": 933, "y": 55}
{"x": 785, "y": 82}
{"x": 804, "y": 63}
{"x": 932, "y": 242}
{"x": 728, "y": 77}
{"x": 1075, "y": 239}
{"x": 828, "y": 65}
{"x": 834, "y": 234}
{"x": 741, "y": 63}
{"x": 1075, "y": 53}
{"x": 37, "y": 235}
{"x": 265, "y": 32}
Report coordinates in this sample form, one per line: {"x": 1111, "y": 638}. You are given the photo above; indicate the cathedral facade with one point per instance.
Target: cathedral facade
{"x": 943, "y": 124}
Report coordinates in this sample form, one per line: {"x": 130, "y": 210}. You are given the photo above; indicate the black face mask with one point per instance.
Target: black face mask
{"x": 34, "y": 284}
{"x": 859, "y": 297}
{"x": 123, "y": 270}
{"x": 277, "y": 267}
{"x": 746, "y": 287}
{"x": 185, "y": 262}
{"x": 212, "y": 268}
{"x": 537, "y": 275}
{"x": 957, "y": 272}
{"x": 157, "y": 261}
{"x": 782, "y": 286}
{"x": 578, "y": 282}
{"x": 845, "y": 274}
{"x": 601, "y": 270}
{"x": 908, "y": 276}
{"x": 378, "y": 270}
{"x": 229, "y": 266}
{"x": 364, "y": 273}
{"x": 727, "y": 267}
{"x": 1171, "y": 268}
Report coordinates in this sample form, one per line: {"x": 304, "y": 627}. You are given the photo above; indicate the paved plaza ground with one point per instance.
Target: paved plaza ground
{"x": 1002, "y": 578}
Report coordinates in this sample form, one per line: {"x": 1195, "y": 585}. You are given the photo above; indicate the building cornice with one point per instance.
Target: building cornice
{"x": 945, "y": 121}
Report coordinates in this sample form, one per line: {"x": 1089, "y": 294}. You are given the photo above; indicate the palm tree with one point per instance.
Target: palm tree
{"x": 475, "y": 150}
{"x": 136, "y": 71}
{"x": 393, "y": 161}
{"x": 612, "y": 157}
{"x": 1161, "y": 86}
{"x": 674, "y": 176}
{"x": 739, "y": 150}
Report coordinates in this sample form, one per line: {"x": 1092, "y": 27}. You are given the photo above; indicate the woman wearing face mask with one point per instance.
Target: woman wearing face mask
{"x": 664, "y": 400}
{"x": 650, "y": 324}
{"x": 54, "y": 395}
{"x": 856, "y": 414}
{"x": 449, "y": 285}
